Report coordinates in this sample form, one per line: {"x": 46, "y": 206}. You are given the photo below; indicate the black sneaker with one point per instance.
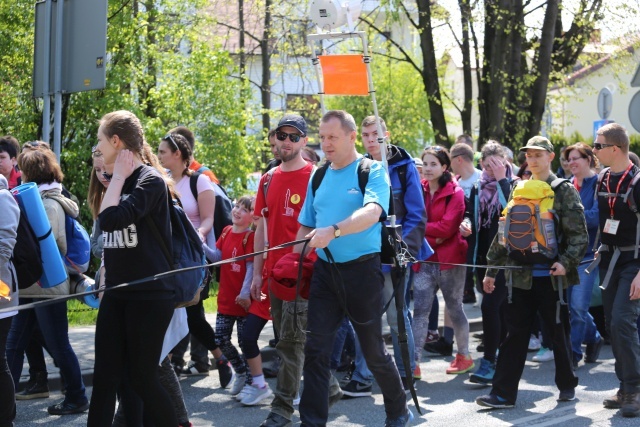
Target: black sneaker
{"x": 37, "y": 388}
{"x": 273, "y": 342}
{"x": 194, "y": 369}
{"x": 66, "y": 408}
{"x": 225, "y": 372}
{"x": 440, "y": 347}
{"x": 630, "y": 405}
{"x": 493, "y": 401}
{"x": 593, "y": 351}
{"x": 270, "y": 370}
{"x": 567, "y": 395}
{"x": 356, "y": 389}
{"x": 347, "y": 378}
{"x": 276, "y": 420}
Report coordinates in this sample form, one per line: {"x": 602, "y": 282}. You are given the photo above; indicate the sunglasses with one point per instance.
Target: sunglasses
{"x": 526, "y": 173}
{"x": 169, "y": 137}
{"x": 293, "y": 137}
{"x": 598, "y": 146}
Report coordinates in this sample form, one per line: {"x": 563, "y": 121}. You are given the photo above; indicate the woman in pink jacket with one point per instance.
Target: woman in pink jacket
{"x": 445, "y": 205}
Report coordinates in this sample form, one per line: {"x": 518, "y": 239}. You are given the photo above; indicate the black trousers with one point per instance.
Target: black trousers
{"x": 362, "y": 293}
{"x": 129, "y": 336}
{"x": 494, "y": 307}
{"x": 521, "y": 314}
{"x": 8, "y": 401}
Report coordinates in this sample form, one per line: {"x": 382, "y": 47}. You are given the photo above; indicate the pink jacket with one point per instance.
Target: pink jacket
{"x": 445, "y": 212}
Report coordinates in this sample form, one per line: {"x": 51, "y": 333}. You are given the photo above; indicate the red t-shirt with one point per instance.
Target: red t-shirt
{"x": 285, "y": 197}
{"x": 13, "y": 178}
{"x": 232, "y": 274}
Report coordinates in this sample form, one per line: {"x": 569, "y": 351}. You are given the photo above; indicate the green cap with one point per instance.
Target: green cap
{"x": 538, "y": 143}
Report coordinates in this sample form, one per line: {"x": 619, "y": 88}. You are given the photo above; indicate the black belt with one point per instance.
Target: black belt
{"x": 358, "y": 260}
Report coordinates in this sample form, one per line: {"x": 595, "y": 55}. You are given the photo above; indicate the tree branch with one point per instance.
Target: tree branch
{"x": 406, "y": 12}
{"x": 231, "y": 27}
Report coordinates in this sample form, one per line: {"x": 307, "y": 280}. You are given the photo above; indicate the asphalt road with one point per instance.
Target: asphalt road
{"x": 446, "y": 400}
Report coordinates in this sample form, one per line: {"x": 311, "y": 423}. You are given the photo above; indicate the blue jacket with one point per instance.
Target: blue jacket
{"x": 591, "y": 214}
{"x": 409, "y": 206}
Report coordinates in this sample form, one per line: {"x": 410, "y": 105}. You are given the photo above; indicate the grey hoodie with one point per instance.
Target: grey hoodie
{"x": 55, "y": 205}
{"x": 9, "y": 217}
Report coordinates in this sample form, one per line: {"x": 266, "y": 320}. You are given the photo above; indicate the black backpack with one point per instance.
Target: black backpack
{"x": 224, "y": 205}
{"x": 27, "y": 258}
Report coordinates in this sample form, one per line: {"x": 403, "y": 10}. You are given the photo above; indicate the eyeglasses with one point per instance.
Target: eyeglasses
{"x": 574, "y": 159}
{"x": 434, "y": 148}
{"x": 32, "y": 144}
{"x": 598, "y": 146}
{"x": 293, "y": 137}
{"x": 169, "y": 137}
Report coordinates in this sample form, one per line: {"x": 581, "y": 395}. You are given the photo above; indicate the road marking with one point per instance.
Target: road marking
{"x": 560, "y": 415}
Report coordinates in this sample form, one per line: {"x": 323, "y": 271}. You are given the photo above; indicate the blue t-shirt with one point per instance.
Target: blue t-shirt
{"x": 336, "y": 199}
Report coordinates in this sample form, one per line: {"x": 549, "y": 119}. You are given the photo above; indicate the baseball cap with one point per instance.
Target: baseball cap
{"x": 418, "y": 161}
{"x": 294, "y": 121}
{"x": 538, "y": 143}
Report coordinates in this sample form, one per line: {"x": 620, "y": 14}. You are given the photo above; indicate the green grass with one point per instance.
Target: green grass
{"x": 80, "y": 314}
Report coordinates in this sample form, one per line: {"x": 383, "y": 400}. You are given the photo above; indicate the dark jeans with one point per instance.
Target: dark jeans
{"x": 53, "y": 322}
{"x": 129, "y": 336}
{"x": 493, "y": 308}
{"x": 7, "y": 391}
{"x": 362, "y": 294}
{"x": 513, "y": 351}
{"x": 35, "y": 352}
{"x": 621, "y": 316}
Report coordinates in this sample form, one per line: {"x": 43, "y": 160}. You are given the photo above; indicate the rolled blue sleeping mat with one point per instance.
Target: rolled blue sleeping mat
{"x": 30, "y": 202}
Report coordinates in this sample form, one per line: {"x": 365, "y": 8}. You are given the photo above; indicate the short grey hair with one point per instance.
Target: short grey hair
{"x": 347, "y": 122}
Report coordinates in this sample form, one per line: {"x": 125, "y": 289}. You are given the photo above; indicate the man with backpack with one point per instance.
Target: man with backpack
{"x": 411, "y": 215}
{"x": 618, "y": 195}
{"x": 342, "y": 218}
{"x": 540, "y": 270}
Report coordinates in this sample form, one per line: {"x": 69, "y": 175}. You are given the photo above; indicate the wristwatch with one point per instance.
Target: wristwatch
{"x": 336, "y": 231}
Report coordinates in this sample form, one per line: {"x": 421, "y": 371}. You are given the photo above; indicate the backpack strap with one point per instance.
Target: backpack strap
{"x": 317, "y": 178}
{"x": 267, "y": 182}
{"x": 193, "y": 183}
{"x": 631, "y": 200}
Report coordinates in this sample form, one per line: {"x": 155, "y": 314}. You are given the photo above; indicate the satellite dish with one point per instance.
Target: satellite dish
{"x": 331, "y": 14}
{"x": 635, "y": 81}
{"x": 634, "y": 111}
{"x": 605, "y": 103}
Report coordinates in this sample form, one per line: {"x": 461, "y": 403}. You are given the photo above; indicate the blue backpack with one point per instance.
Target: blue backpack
{"x": 78, "y": 246}
{"x": 186, "y": 251}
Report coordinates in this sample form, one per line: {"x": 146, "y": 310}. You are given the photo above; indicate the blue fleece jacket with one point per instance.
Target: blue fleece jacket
{"x": 591, "y": 213}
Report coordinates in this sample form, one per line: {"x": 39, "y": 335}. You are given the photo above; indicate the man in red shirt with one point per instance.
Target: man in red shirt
{"x": 280, "y": 197}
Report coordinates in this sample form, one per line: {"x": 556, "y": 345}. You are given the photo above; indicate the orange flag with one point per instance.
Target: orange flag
{"x": 344, "y": 75}
{"x": 5, "y": 291}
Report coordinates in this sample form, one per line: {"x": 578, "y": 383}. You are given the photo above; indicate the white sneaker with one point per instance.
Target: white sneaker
{"x": 256, "y": 395}
{"x": 534, "y": 343}
{"x": 296, "y": 401}
{"x": 543, "y": 355}
{"x": 238, "y": 384}
{"x": 245, "y": 390}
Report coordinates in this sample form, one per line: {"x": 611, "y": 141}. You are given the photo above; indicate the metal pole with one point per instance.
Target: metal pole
{"x": 57, "y": 106}
{"x": 46, "y": 108}
{"x": 316, "y": 65}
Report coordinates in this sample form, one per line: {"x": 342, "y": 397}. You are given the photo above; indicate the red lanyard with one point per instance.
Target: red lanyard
{"x": 612, "y": 200}
{"x": 575, "y": 184}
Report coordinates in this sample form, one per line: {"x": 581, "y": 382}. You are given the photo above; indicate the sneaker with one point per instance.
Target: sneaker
{"x": 461, "y": 364}
{"x": 432, "y": 337}
{"x": 238, "y": 384}
{"x": 440, "y": 347}
{"x": 484, "y": 374}
{"x": 593, "y": 351}
{"x": 276, "y": 420}
{"x": 614, "y": 402}
{"x": 356, "y": 389}
{"x": 246, "y": 389}
{"x": 225, "y": 372}
{"x": 296, "y": 400}
{"x": 273, "y": 342}
{"x": 347, "y": 378}
{"x": 256, "y": 395}
{"x": 567, "y": 395}
{"x": 67, "y": 408}
{"x": 270, "y": 370}
{"x": 37, "y": 388}
{"x": 417, "y": 374}
{"x": 194, "y": 369}
{"x": 534, "y": 343}
{"x": 401, "y": 421}
{"x": 630, "y": 405}
{"x": 493, "y": 401}
{"x": 543, "y": 355}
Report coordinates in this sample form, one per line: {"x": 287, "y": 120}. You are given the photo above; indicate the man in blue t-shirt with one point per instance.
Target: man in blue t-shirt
{"x": 339, "y": 217}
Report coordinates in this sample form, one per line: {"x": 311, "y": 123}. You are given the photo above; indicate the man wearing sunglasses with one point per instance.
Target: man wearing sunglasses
{"x": 620, "y": 262}
{"x": 281, "y": 194}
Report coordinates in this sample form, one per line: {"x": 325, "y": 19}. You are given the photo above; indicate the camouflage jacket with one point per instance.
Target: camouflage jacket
{"x": 573, "y": 241}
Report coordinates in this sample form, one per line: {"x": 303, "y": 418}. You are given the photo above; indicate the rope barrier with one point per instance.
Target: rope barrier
{"x": 405, "y": 257}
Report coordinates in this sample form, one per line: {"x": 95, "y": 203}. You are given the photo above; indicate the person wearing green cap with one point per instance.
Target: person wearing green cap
{"x": 537, "y": 289}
